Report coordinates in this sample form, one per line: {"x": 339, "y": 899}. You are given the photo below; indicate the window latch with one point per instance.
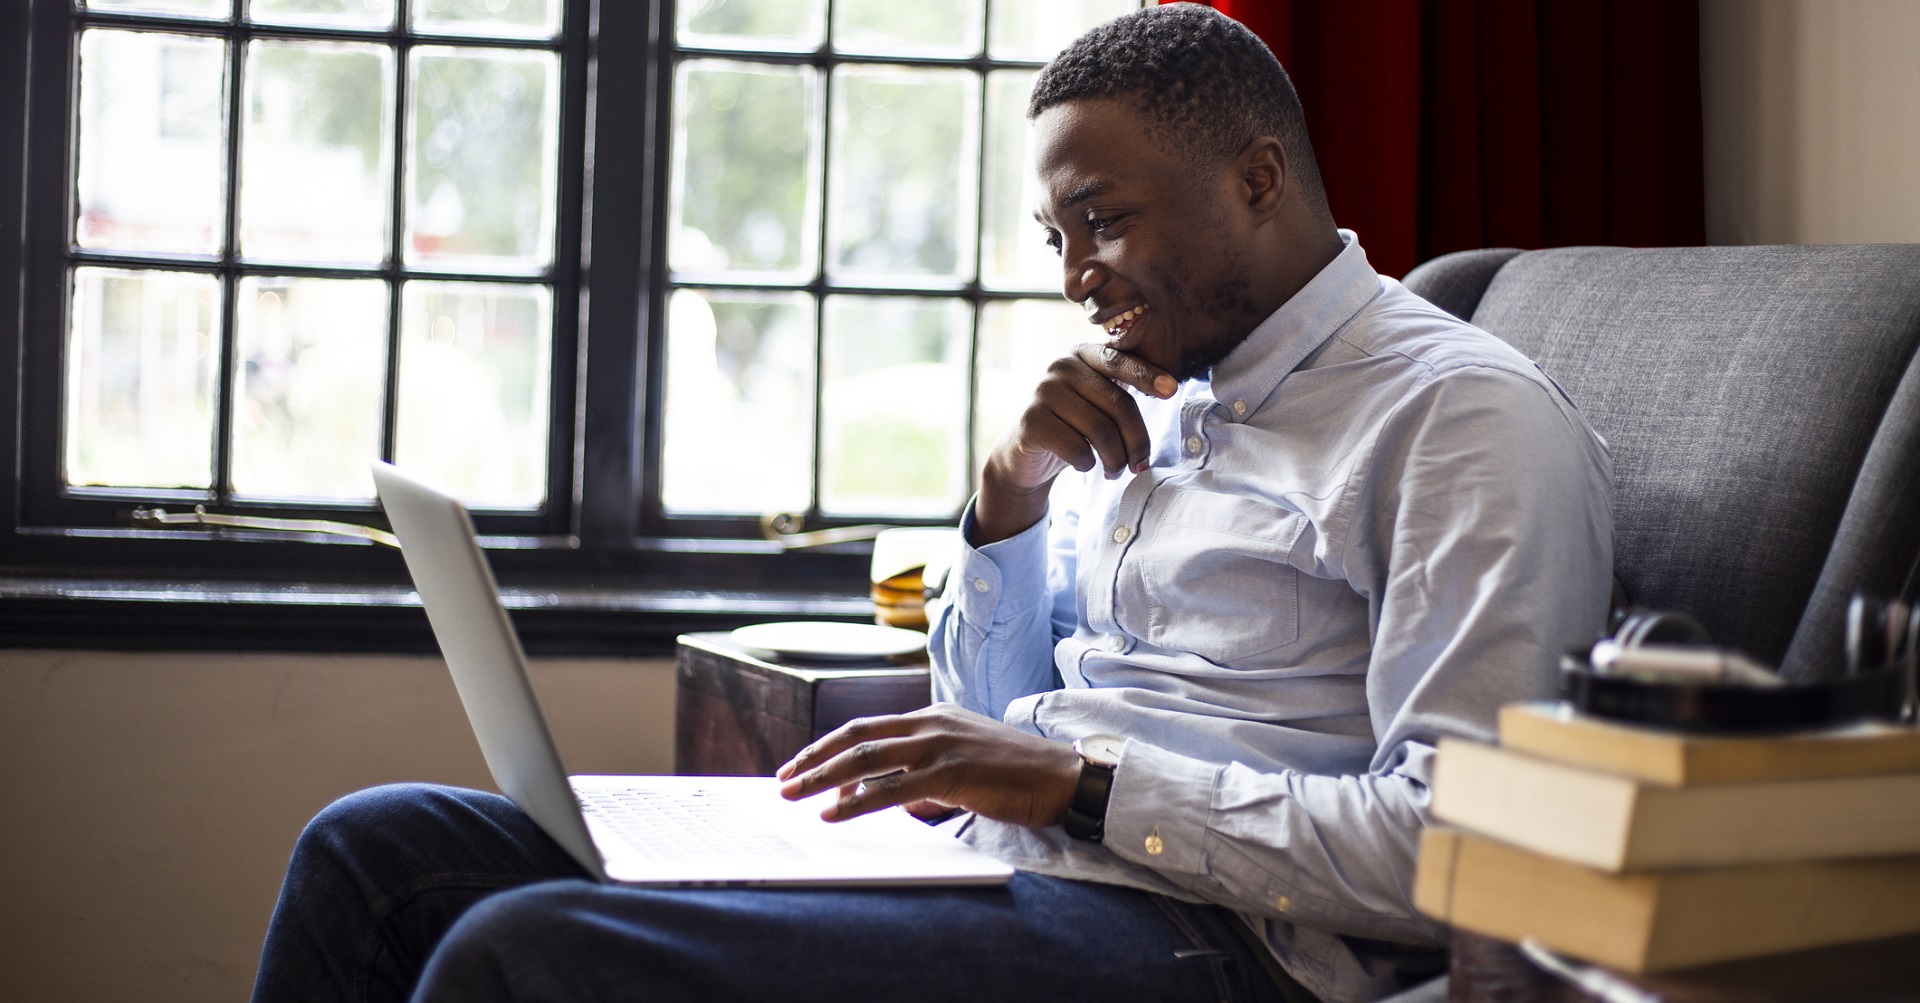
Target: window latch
{"x": 160, "y": 518}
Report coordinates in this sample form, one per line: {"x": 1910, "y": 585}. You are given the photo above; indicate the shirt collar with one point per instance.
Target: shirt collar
{"x": 1302, "y": 324}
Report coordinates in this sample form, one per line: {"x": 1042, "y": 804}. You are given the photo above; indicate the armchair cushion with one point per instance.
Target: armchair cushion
{"x": 1763, "y": 409}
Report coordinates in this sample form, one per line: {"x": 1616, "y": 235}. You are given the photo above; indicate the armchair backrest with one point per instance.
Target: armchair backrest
{"x": 1763, "y": 408}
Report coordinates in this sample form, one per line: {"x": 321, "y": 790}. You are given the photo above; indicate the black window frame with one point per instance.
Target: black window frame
{"x": 601, "y": 568}
{"x": 43, "y": 503}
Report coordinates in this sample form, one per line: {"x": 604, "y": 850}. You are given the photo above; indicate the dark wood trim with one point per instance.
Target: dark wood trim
{"x": 634, "y": 617}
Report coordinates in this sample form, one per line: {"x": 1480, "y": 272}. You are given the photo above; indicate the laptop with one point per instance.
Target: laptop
{"x": 642, "y": 830}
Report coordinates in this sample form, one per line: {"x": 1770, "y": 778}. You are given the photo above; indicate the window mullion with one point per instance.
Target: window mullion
{"x": 979, "y": 243}
{"x": 827, "y": 66}
{"x": 397, "y": 224}
{"x": 623, "y": 270}
{"x": 223, "y": 410}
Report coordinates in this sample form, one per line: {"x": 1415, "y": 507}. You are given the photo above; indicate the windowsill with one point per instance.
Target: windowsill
{"x": 565, "y": 618}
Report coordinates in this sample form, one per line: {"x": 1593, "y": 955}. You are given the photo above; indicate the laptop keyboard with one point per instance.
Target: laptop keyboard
{"x": 687, "y": 825}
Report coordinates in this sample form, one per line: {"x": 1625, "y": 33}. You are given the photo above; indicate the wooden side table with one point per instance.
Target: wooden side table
{"x": 738, "y": 714}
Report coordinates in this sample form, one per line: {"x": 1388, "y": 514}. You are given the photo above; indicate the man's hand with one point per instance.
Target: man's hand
{"x": 1079, "y": 416}
{"x": 940, "y": 754}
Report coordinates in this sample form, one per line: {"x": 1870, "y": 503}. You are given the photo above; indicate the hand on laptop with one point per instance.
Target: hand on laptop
{"x": 940, "y": 754}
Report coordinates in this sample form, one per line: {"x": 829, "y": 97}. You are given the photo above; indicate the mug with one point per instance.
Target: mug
{"x": 904, "y": 561}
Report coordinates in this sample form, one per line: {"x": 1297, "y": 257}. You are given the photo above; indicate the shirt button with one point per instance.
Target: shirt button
{"x": 1155, "y": 845}
{"x": 1116, "y": 643}
{"x": 980, "y": 585}
{"x": 1122, "y": 534}
{"x": 1239, "y": 407}
{"x": 1282, "y": 903}
{"x": 1193, "y": 444}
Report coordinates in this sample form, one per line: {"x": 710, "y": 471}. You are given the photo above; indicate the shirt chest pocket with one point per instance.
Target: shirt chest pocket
{"x": 1217, "y": 577}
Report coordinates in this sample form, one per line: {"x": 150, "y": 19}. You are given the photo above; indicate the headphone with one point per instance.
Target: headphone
{"x": 1882, "y": 680}
{"x": 1884, "y": 633}
{"x": 1634, "y": 626}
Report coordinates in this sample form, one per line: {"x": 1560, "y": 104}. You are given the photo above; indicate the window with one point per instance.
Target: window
{"x": 307, "y": 236}
{"x": 849, "y": 250}
{"x": 625, "y": 300}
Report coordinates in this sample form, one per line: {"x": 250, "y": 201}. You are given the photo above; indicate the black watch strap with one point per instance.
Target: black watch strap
{"x": 1087, "y": 813}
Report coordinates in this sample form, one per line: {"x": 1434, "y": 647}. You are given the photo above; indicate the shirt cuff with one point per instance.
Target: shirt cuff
{"x": 1158, "y": 809}
{"x": 1005, "y": 577}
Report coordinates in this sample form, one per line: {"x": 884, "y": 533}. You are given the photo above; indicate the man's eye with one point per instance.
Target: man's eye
{"x": 1053, "y": 240}
{"x": 1099, "y": 225}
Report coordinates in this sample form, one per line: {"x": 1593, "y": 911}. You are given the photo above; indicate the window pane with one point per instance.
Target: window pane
{"x": 904, "y": 160}
{"x": 497, "y": 18}
{"x": 921, "y": 27}
{"x": 894, "y": 406}
{"x": 1013, "y": 249}
{"x": 746, "y": 175}
{"x": 1018, "y": 339}
{"x": 1039, "y": 30}
{"x": 189, "y": 8}
{"x": 310, "y": 372}
{"x": 474, "y": 393}
{"x": 141, "y": 358}
{"x": 739, "y": 403}
{"x": 789, "y": 25}
{"x": 317, "y": 152}
{"x": 323, "y": 13}
{"x": 481, "y": 158}
{"x": 152, "y": 165}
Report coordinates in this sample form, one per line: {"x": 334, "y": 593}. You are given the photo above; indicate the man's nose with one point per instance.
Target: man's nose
{"x": 1082, "y": 276}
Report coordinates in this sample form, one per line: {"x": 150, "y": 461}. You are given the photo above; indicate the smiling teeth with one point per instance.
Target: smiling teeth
{"x": 1117, "y": 324}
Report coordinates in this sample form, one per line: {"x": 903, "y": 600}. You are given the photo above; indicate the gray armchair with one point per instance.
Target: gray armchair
{"x": 1763, "y": 406}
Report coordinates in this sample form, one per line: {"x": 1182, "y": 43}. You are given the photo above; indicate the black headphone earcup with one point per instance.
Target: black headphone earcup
{"x": 1866, "y": 633}
{"x": 1646, "y": 626}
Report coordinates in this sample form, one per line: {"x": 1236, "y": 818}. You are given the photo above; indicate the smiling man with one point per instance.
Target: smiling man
{"x": 1241, "y": 563}
{"x": 1312, "y": 524}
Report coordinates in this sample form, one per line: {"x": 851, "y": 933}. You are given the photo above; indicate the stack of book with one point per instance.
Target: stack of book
{"x": 1648, "y": 850}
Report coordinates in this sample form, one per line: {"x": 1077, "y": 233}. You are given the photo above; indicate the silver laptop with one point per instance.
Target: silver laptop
{"x": 638, "y": 829}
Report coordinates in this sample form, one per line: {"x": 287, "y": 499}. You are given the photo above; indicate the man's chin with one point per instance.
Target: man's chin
{"x": 1201, "y": 363}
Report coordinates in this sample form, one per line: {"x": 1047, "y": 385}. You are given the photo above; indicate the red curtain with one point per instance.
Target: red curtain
{"x": 1442, "y": 125}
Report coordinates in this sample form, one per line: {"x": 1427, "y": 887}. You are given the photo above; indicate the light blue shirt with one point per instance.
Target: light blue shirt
{"x": 1368, "y": 527}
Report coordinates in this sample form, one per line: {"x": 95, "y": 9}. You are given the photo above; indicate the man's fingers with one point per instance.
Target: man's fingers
{"x": 1099, "y": 413}
{"x": 904, "y": 788}
{"x": 859, "y": 762}
{"x": 1106, "y": 436}
{"x": 1126, "y": 368}
{"x": 858, "y": 730}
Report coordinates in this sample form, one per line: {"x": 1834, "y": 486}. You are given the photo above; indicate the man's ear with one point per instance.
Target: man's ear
{"x": 1262, "y": 169}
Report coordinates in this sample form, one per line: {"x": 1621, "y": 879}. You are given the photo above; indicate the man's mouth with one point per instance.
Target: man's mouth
{"x": 1119, "y": 324}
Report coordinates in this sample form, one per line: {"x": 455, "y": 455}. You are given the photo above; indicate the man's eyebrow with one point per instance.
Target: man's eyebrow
{"x": 1080, "y": 193}
{"x": 1086, "y": 190}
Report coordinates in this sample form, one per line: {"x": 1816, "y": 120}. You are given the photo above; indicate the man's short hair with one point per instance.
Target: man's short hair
{"x": 1201, "y": 78}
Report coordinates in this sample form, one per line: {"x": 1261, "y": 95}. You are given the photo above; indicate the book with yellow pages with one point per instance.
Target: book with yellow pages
{"x": 1659, "y": 921}
{"x": 1615, "y": 822}
{"x": 1663, "y": 756}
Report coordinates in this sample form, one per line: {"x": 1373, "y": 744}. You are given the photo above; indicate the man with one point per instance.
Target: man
{"x": 1316, "y": 523}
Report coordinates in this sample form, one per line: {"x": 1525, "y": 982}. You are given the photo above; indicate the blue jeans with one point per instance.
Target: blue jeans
{"x": 434, "y": 893}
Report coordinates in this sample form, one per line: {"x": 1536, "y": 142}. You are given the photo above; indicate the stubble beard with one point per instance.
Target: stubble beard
{"x": 1227, "y": 302}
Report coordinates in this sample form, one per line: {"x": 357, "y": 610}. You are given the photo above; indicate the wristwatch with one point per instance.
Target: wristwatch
{"x": 1087, "y": 813}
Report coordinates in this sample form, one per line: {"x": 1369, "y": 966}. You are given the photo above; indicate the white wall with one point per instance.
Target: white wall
{"x": 1812, "y": 113}
{"x": 148, "y": 802}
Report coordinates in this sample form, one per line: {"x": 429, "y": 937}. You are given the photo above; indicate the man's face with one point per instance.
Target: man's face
{"x": 1154, "y": 247}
